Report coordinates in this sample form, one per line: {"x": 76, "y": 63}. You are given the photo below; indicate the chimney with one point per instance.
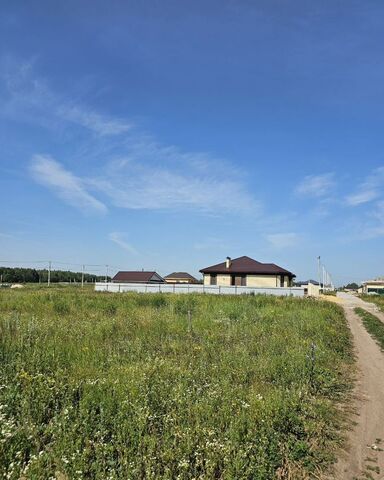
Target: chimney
{"x": 228, "y": 262}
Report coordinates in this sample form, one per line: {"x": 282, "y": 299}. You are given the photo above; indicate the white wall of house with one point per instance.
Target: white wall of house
{"x": 263, "y": 281}
{"x": 222, "y": 280}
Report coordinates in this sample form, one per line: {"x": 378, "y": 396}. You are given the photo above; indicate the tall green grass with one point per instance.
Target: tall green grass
{"x": 120, "y": 386}
{"x": 376, "y": 299}
{"x": 374, "y": 325}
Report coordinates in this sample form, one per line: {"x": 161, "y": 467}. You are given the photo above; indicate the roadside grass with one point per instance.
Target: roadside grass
{"x": 122, "y": 386}
{"x": 376, "y": 299}
{"x": 374, "y": 325}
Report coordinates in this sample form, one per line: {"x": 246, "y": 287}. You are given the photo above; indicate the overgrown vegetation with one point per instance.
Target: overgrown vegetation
{"x": 123, "y": 386}
{"x": 373, "y": 325}
{"x": 376, "y": 299}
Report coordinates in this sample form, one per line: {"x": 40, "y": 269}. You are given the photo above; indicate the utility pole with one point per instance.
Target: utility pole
{"x": 106, "y": 273}
{"x": 82, "y": 277}
{"x": 319, "y": 271}
{"x": 324, "y": 279}
{"x": 49, "y": 273}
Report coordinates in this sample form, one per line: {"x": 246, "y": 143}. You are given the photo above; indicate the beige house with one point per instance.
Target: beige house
{"x": 244, "y": 271}
{"x": 373, "y": 286}
{"x": 180, "y": 277}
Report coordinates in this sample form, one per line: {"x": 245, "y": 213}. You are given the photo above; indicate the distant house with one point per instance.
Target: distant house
{"x": 137, "y": 277}
{"x": 373, "y": 286}
{"x": 180, "y": 277}
{"x": 244, "y": 271}
{"x": 311, "y": 287}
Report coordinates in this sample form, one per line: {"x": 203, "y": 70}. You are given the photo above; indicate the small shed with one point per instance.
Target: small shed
{"x": 311, "y": 287}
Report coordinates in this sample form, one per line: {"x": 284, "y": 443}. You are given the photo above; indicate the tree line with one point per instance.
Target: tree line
{"x": 32, "y": 275}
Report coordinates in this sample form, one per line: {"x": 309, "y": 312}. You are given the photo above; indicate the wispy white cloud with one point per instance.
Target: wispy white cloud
{"x": 119, "y": 239}
{"x": 375, "y": 226}
{"x": 362, "y": 197}
{"x": 316, "y": 185}
{"x": 378, "y": 211}
{"x": 372, "y": 233}
{"x": 148, "y": 180}
{"x": 135, "y": 185}
{"x": 283, "y": 240}
{"x": 369, "y": 190}
{"x": 50, "y": 173}
{"x": 30, "y": 98}
{"x": 100, "y": 124}
{"x": 163, "y": 177}
{"x": 146, "y": 175}
{"x": 162, "y": 188}
{"x": 368, "y": 224}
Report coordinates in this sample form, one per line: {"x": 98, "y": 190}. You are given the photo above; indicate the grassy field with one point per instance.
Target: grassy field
{"x": 124, "y": 386}
{"x": 376, "y": 299}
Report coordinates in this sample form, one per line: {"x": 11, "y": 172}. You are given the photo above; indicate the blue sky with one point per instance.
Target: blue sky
{"x": 168, "y": 135}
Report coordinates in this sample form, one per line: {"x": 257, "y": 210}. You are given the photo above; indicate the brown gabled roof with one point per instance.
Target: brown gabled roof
{"x": 178, "y": 275}
{"x": 245, "y": 265}
{"x": 137, "y": 276}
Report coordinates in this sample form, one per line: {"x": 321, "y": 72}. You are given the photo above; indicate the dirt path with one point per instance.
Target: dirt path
{"x": 364, "y": 457}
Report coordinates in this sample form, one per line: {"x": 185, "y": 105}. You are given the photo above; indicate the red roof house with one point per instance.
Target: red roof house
{"x": 245, "y": 271}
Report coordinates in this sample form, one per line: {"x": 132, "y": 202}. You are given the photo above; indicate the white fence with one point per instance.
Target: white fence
{"x": 196, "y": 288}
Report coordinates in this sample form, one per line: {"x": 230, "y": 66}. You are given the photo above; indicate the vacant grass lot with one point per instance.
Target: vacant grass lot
{"x": 123, "y": 386}
{"x": 377, "y": 299}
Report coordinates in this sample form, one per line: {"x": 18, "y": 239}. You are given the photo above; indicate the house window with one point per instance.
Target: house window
{"x": 213, "y": 279}
{"x": 281, "y": 280}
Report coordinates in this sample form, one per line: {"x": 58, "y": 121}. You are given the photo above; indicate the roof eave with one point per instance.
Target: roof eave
{"x": 234, "y": 272}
